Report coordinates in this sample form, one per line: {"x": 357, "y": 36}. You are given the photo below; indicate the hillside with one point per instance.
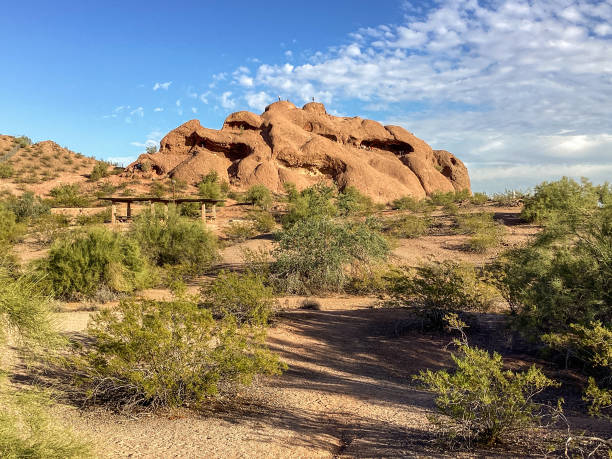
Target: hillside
{"x": 39, "y": 167}
{"x": 303, "y": 146}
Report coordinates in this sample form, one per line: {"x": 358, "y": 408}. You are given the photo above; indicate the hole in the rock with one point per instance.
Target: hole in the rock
{"x": 453, "y": 161}
{"x": 241, "y": 125}
{"x": 446, "y": 171}
{"x": 330, "y": 137}
{"x": 395, "y": 147}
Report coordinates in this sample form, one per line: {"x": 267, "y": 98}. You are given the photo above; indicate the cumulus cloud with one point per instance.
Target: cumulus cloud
{"x": 153, "y": 138}
{"x": 226, "y": 101}
{"x": 515, "y": 81}
{"x": 259, "y": 100}
{"x": 163, "y": 86}
{"x": 158, "y": 109}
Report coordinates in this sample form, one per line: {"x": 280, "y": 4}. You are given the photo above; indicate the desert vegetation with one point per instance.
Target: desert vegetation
{"x": 502, "y": 338}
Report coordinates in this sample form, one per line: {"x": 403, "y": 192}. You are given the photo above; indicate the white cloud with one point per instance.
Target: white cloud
{"x": 178, "y": 102}
{"x": 204, "y": 97}
{"x": 153, "y": 138}
{"x": 163, "y": 86}
{"x": 489, "y": 81}
{"x": 194, "y": 110}
{"x": 258, "y": 101}
{"x": 288, "y": 54}
{"x": 138, "y": 112}
{"x": 158, "y": 109}
{"x": 226, "y": 101}
{"x": 245, "y": 80}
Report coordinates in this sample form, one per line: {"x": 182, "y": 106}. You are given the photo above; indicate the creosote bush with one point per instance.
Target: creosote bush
{"x": 6, "y": 170}
{"x": 312, "y": 202}
{"x": 259, "y": 196}
{"x": 241, "y": 296}
{"x": 314, "y": 254}
{"x": 27, "y": 207}
{"x": 438, "y": 288}
{"x": 263, "y": 221}
{"x": 480, "y": 401}
{"x": 81, "y": 263}
{"x": 412, "y": 204}
{"x": 240, "y": 231}
{"x": 68, "y": 196}
{"x": 173, "y": 240}
{"x": 483, "y": 230}
{"x": 167, "y": 354}
{"x": 352, "y": 202}
{"x": 408, "y": 226}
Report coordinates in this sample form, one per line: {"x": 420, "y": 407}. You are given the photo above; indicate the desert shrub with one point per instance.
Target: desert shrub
{"x": 27, "y": 206}
{"x": 239, "y": 231}
{"x": 81, "y": 263}
{"x": 68, "y": 196}
{"x": 313, "y": 254}
{"x": 174, "y": 240}
{"x": 509, "y": 198}
{"x": 438, "y": 288}
{"x": 146, "y": 166}
{"x": 209, "y": 187}
{"x": 190, "y": 209}
{"x": 479, "y": 198}
{"x": 444, "y": 198}
{"x": 315, "y": 201}
{"x": 260, "y": 196}
{"x": 49, "y": 226}
{"x": 480, "y": 401}
{"x": 23, "y": 141}
{"x": 450, "y": 208}
{"x": 351, "y": 202}
{"x": 377, "y": 279}
{"x": 410, "y": 203}
{"x": 151, "y": 149}
{"x": 560, "y": 199}
{"x": 408, "y": 226}
{"x": 6, "y": 170}
{"x": 10, "y": 230}
{"x": 26, "y": 430}
{"x": 241, "y": 296}
{"x": 94, "y": 219}
{"x": 100, "y": 170}
{"x": 484, "y": 231}
{"x": 168, "y": 354}
{"x": 156, "y": 189}
{"x": 262, "y": 221}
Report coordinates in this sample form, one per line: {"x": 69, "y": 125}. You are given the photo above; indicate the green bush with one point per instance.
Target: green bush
{"x": 209, "y": 187}
{"x": 168, "y": 354}
{"x": 351, "y": 202}
{"x": 480, "y": 401}
{"x": 100, "y": 170}
{"x": 48, "y": 227}
{"x": 313, "y": 254}
{"x": 316, "y": 201}
{"x": 241, "y": 296}
{"x": 438, "y": 288}
{"x": 94, "y": 219}
{"x": 408, "y": 226}
{"x": 479, "y": 199}
{"x": 263, "y": 221}
{"x": 484, "y": 231}
{"x": 560, "y": 199}
{"x": 84, "y": 262}
{"x": 6, "y": 170}
{"x": 10, "y": 230}
{"x": 239, "y": 231}
{"x": 68, "y": 196}
{"x": 26, "y": 430}
{"x": 27, "y": 206}
{"x": 410, "y": 203}
{"x": 174, "y": 240}
{"x": 23, "y": 141}
{"x": 260, "y": 196}
{"x": 444, "y": 198}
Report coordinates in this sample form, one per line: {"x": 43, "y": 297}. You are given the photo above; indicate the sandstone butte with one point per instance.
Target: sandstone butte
{"x": 306, "y": 146}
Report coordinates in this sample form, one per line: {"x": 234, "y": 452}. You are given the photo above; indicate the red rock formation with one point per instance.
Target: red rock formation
{"x": 305, "y": 146}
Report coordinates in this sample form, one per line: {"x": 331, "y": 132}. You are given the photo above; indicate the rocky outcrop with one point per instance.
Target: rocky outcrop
{"x": 305, "y": 146}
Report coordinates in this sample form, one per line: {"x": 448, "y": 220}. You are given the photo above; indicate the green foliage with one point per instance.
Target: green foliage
{"x": 168, "y": 354}
{"x": 6, "y": 170}
{"x": 599, "y": 399}
{"x": 263, "y": 221}
{"x": 83, "y": 262}
{"x": 68, "y": 196}
{"x": 239, "y": 231}
{"x": 351, "y": 202}
{"x": 408, "y": 226}
{"x": 445, "y": 198}
{"x": 260, "y": 196}
{"x": 48, "y": 226}
{"x": 509, "y": 198}
{"x": 481, "y": 402}
{"x": 28, "y": 206}
{"x": 241, "y": 296}
{"x": 10, "y": 230}
{"x": 94, "y": 219}
{"x": 315, "y": 201}
{"x": 157, "y": 189}
{"x": 209, "y": 187}
{"x": 437, "y": 288}
{"x": 410, "y": 203}
{"x": 313, "y": 253}
{"x": 151, "y": 149}
{"x": 174, "y": 240}
{"x": 100, "y": 170}
{"x": 484, "y": 231}
{"x": 479, "y": 198}
{"x": 23, "y": 141}
{"x": 561, "y": 199}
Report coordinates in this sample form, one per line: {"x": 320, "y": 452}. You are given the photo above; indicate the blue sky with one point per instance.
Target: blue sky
{"x": 521, "y": 91}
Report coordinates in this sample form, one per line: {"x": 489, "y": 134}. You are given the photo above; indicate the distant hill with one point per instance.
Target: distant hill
{"x": 41, "y": 166}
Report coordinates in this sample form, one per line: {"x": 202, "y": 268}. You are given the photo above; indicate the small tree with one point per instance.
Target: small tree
{"x": 100, "y": 170}
{"x": 480, "y": 401}
{"x": 151, "y": 149}
{"x": 260, "y": 196}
